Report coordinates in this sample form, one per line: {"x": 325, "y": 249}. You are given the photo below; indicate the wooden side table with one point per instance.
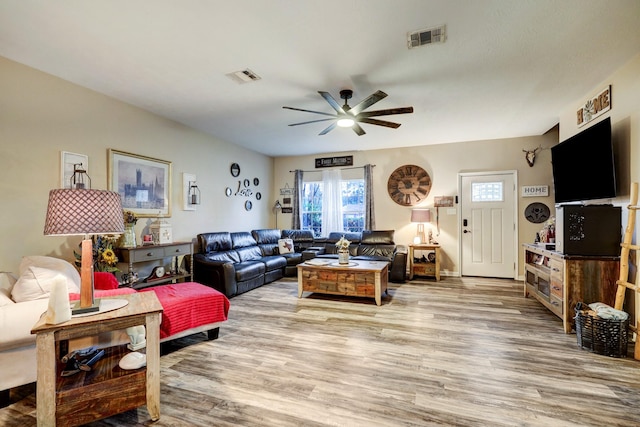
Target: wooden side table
{"x": 107, "y": 389}
{"x": 424, "y": 268}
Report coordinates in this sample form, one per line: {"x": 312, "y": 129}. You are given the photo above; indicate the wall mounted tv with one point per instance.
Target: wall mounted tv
{"x": 583, "y": 165}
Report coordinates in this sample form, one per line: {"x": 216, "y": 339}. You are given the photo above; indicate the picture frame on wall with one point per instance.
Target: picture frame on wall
{"x": 68, "y": 160}
{"x": 144, "y": 183}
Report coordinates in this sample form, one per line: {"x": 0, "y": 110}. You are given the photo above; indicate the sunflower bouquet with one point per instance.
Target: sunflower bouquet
{"x": 129, "y": 218}
{"x": 104, "y": 257}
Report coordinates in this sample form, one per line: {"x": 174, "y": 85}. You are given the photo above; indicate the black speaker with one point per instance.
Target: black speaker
{"x": 594, "y": 230}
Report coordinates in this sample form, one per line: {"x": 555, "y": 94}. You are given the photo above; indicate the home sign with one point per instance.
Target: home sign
{"x": 594, "y": 107}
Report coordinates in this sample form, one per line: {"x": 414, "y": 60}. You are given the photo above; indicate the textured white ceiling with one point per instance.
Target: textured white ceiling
{"x": 507, "y": 68}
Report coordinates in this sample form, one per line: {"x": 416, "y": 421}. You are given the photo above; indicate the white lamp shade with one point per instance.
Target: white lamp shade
{"x": 82, "y": 212}
{"x": 420, "y": 215}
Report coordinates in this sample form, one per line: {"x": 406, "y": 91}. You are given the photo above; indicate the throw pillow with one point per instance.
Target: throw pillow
{"x": 285, "y": 246}
{"x": 7, "y": 280}
{"x": 35, "y": 283}
{"x": 104, "y": 281}
{"x": 57, "y": 264}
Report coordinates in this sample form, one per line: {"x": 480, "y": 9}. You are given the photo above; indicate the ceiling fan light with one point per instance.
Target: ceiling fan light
{"x": 345, "y": 123}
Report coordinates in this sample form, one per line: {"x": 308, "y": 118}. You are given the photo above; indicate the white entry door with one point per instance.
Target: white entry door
{"x": 488, "y": 224}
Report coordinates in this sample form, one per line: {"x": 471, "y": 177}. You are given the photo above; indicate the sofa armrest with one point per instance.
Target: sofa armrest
{"x": 398, "y": 269}
{"x": 312, "y": 252}
{"x": 219, "y": 275}
{"x": 16, "y": 321}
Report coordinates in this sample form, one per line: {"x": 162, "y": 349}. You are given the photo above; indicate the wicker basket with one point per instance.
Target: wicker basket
{"x": 602, "y": 336}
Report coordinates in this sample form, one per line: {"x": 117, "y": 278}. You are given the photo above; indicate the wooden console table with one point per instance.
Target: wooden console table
{"x": 107, "y": 389}
{"x": 361, "y": 279}
{"x": 424, "y": 268}
{"x": 158, "y": 255}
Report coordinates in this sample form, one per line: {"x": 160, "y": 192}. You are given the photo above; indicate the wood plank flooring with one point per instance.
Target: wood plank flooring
{"x": 459, "y": 352}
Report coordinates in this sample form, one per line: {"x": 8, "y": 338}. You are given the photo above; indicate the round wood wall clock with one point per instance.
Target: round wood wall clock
{"x": 409, "y": 185}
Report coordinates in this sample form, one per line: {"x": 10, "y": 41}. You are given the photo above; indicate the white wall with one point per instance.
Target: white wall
{"x": 41, "y": 115}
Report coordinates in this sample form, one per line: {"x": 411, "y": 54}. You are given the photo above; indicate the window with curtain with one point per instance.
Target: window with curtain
{"x": 353, "y": 206}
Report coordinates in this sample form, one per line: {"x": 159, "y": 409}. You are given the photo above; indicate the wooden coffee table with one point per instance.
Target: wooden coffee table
{"x": 358, "y": 278}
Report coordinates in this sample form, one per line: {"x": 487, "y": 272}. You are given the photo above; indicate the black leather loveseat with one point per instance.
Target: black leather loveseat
{"x": 234, "y": 263}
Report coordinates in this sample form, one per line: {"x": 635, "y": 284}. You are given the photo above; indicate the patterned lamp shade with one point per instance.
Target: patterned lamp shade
{"x": 82, "y": 212}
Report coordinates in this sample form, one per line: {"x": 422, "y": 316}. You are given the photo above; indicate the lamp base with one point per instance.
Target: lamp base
{"x": 84, "y": 310}
{"x": 104, "y": 305}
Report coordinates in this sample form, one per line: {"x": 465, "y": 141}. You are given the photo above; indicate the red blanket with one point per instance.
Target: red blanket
{"x": 189, "y": 305}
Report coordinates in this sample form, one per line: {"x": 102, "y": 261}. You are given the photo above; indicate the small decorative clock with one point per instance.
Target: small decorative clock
{"x": 409, "y": 185}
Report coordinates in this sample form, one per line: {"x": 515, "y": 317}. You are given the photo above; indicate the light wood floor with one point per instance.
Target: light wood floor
{"x": 459, "y": 352}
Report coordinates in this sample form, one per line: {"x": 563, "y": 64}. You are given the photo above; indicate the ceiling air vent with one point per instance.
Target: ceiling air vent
{"x": 244, "y": 76}
{"x": 427, "y": 36}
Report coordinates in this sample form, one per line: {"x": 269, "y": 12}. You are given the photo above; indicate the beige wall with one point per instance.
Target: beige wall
{"x": 443, "y": 162}
{"x": 41, "y": 115}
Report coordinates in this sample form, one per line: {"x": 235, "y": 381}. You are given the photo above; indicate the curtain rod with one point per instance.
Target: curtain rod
{"x": 342, "y": 169}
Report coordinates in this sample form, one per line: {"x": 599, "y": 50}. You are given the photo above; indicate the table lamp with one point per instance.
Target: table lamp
{"x": 72, "y": 212}
{"x": 420, "y": 216}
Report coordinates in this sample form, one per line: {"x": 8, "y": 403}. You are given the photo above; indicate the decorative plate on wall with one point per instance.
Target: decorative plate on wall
{"x": 537, "y": 213}
{"x": 409, "y": 185}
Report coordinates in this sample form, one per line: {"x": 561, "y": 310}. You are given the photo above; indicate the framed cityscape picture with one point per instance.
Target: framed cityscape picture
{"x": 144, "y": 183}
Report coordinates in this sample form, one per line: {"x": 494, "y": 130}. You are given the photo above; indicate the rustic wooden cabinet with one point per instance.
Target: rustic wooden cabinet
{"x": 560, "y": 281}
{"x": 424, "y": 267}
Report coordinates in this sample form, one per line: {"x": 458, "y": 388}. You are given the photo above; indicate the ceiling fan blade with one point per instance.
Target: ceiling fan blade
{"x": 328, "y": 129}
{"x": 368, "y": 102}
{"x": 310, "y": 111}
{"x": 380, "y": 123}
{"x": 331, "y": 100}
{"x": 387, "y": 112}
{"x": 357, "y": 129}
{"x": 311, "y": 121}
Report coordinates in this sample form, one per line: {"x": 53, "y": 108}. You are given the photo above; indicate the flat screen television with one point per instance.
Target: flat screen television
{"x": 583, "y": 165}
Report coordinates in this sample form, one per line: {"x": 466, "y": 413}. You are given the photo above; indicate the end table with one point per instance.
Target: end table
{"x": 106, "y": 390}
{"x": 424, "y": 268}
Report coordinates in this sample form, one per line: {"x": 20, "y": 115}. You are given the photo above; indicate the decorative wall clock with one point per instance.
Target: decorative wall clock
{"x": 409, "y": 185}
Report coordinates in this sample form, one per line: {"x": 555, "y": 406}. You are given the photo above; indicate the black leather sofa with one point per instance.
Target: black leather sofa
{"x": 302, "y": 240}
{"x": 234, "y": 263}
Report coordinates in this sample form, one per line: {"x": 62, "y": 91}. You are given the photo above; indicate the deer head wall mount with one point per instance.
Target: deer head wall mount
{"x": 530, "y": 155}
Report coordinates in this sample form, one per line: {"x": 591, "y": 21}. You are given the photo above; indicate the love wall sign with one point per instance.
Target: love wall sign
{"x": 594, "y": 107}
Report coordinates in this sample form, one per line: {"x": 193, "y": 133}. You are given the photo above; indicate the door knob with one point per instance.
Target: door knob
{"x": 466, "y": 231}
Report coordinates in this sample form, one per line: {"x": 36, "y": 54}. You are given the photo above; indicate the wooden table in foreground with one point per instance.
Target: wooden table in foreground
{"x": 360, "y": 279}
{"x": 107, "y": 389}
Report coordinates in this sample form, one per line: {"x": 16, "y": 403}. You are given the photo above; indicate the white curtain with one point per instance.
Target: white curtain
{"x": 331, "y": 201}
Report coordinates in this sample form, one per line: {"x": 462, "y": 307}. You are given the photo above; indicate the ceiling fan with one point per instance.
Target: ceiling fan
{"x": 347, "y": 116}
